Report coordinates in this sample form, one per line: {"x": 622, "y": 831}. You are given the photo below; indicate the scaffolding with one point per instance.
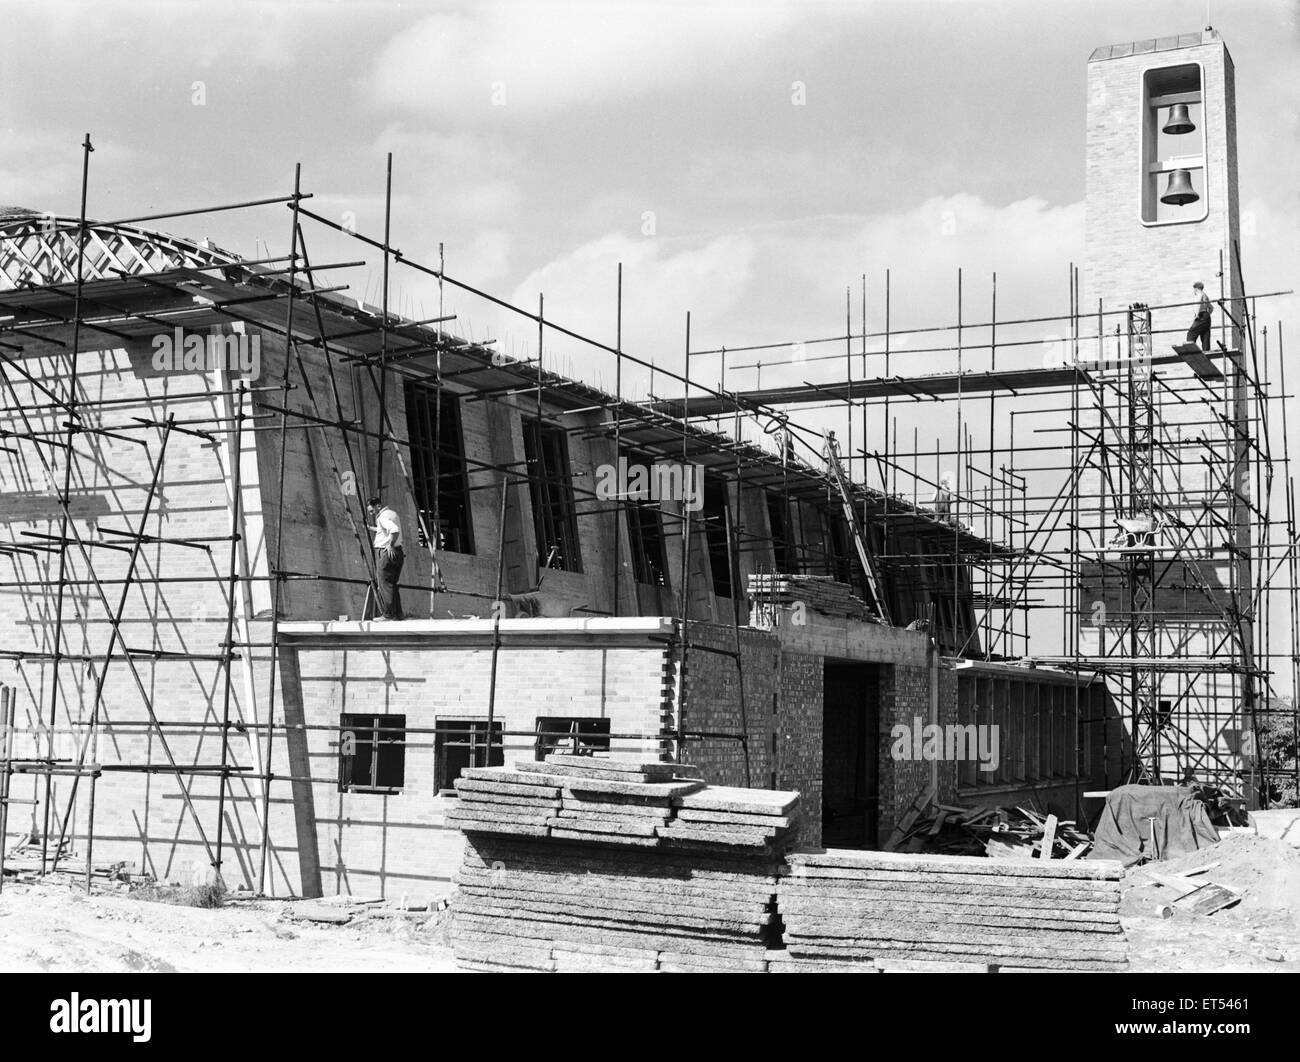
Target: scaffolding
{"x": 1159, "y": 542}
{"x": 1013, "y": 543}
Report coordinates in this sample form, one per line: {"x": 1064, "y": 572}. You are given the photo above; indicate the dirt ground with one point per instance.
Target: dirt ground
{"x": 52, "y": 927}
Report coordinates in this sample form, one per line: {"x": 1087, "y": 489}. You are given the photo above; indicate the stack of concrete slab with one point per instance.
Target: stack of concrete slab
{"x": 729, "y": 817}
{"x": 863, "y": 908}
{"x": 621, "y": 801}
{"x": 559, "y": 905}
{"x": 582, "y": 862}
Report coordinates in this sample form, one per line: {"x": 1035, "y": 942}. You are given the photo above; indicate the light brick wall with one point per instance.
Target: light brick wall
{"x": 382, "y": 844}
{"x": 141, "y": 818}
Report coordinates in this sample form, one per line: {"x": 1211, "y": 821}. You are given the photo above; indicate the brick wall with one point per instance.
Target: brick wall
{"x": 380, "y": 844}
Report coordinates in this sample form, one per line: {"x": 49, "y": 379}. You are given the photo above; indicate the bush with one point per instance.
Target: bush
{"x": 207, "y": 896}
{"x": 1277, "y": 753}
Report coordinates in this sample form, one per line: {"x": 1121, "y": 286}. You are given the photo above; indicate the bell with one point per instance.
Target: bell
{"x": 1179, "y": 120}
{"x": 1180, "y": 191}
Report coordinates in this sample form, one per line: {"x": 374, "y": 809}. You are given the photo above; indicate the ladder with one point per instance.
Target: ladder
{"x": 836, "y": 472}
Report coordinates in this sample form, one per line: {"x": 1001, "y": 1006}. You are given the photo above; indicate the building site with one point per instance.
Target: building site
{"x": 311, "y": 597}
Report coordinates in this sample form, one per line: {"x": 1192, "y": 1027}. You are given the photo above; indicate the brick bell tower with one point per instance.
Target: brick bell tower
{"x": 1174, "y": 601}
{"x": 1162, "y": 176}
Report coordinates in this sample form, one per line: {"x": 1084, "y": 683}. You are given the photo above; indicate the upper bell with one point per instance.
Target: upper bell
{"x": 1179, "y": 120}
{"x": 1180, "y": 191}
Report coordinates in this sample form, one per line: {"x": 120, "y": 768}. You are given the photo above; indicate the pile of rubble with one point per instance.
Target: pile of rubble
{"x": 820, "y": 593}
{"x": 998, "y": 832}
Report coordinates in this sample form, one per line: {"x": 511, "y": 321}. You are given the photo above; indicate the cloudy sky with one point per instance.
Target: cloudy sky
{"x": 744, "y": 161}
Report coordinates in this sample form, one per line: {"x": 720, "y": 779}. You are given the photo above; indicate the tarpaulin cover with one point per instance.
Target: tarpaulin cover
{"x": 1124, "y": 832}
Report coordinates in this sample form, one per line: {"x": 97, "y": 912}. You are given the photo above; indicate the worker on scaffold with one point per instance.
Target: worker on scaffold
{"x": 1200, "y": 329}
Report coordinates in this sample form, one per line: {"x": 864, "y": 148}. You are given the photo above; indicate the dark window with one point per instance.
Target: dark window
{"x": 645, "y": 533}
{"x": 563, "y": 733}
{"x": 438, "y": 465}
{"x": 550, "y": 485}
{"x": 462, "y": 743}
{"x": 778, "y": 517}
{"x": 716, "y": 534}
{"x": 804, "y": 550}
{"x": 837, "y": 540}
{"x": 372, "y": 752}
{"x": 943, "y": 610}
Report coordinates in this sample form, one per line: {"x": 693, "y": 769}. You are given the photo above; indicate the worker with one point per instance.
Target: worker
{"x": 1201, "y": 325}
{"x": 945, "y": 496}
{"x": 389, "y": 554}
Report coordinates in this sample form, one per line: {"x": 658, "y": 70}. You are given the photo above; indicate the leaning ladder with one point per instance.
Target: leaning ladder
{"x": 851, "y": 515}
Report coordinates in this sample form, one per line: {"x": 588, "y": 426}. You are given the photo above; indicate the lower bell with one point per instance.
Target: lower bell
{"x": 1180, "y": 191}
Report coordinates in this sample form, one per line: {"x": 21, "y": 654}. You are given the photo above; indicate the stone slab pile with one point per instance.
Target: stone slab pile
{"x": 585, "y": 863}
{"x": 852, "y": 907}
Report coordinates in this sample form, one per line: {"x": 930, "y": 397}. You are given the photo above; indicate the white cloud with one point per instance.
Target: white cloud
{"x": 659, "y": 285}
{"x": 235, "y": 33}
{"x": 808, "y": 263}
{"x": 484, "y": 260}
{"x": 548, "y": 55}
{"x": 784, "y": 282}
{"x": 462, "y": 178}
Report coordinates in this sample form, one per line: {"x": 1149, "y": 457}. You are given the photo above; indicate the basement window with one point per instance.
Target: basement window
{"x": 571, "y": 734}
{"x": 372, "y": 753}
{"x": 438, "y": 465}
{"x": 462, "y": 743}
{"x": 550, "y": 487}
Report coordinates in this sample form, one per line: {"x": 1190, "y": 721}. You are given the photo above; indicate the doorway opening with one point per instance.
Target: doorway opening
{"x": 850, "y": 754}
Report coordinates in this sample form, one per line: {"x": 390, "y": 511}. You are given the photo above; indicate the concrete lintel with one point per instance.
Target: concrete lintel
{"x": 540, "y": 632}
{"x": 846, "y": 639}
{"x": 1023, "y": 671}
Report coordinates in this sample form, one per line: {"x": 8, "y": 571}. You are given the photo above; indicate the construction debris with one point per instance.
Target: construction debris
{"x": 819, "y": 593}
{"x": 1011, "y": 832}
{"x": 851, "y": 907}
{"x": 1194, "y": 897}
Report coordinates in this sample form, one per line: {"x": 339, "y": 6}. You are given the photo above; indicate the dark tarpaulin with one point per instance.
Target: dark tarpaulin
{"x": 1124, "y": 832}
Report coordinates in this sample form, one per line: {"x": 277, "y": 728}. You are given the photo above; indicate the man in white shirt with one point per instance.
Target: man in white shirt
{"x": 388, "y": 550}
{"x": 945, "y": 497}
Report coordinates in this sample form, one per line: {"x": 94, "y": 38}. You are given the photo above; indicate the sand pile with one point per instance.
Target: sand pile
{"x": 1267, "y": 870}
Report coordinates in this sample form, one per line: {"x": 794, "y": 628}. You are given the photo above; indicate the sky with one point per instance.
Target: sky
{"x": 747, "y": 163}
{"x": 744, "y": 162}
